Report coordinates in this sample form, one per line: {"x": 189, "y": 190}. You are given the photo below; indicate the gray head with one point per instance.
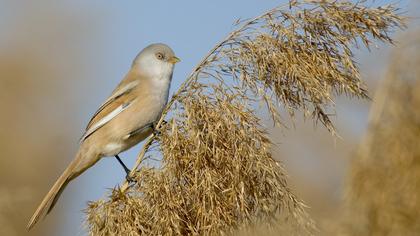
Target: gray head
{"x": 156, "y": 60}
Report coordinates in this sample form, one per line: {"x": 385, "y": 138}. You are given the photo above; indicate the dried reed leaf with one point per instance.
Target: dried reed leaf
{"x": 217, "y": 174}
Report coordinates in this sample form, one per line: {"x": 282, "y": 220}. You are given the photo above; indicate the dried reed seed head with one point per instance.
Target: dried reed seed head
{"x": 217, "y": 173}
{"x": 303, "y": 58}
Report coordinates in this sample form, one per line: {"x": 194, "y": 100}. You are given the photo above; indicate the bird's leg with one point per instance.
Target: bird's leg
{"x": 127, "y": 171}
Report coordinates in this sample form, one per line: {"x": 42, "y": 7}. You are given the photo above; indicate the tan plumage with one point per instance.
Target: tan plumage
{"x": 123, "y": 120}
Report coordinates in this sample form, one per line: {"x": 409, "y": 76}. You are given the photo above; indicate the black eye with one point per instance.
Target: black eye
{"x": 159, "y": 56}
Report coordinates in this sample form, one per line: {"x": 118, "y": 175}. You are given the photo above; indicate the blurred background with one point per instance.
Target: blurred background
{"x": 60, "y": 60}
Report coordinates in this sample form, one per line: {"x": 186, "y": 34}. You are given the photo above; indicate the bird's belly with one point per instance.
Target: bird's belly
{"x": 112, "y": 149}
{"x": 121, "y": 144}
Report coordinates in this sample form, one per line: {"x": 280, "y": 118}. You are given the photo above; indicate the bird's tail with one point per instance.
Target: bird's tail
{"x": 76, "y": 167}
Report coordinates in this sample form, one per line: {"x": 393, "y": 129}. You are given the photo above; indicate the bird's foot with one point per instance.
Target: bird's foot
{"x": 155, "y": 130}
{"x": 130, "y": 179}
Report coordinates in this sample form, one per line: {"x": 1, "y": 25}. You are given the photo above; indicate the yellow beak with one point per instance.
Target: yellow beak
{"x": 174, "y": 60}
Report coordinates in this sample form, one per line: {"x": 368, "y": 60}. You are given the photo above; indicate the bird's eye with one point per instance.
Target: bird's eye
{"x": 159, "y": 56}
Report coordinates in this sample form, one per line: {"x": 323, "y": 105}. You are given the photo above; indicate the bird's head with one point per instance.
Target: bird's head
{"x": 156, "y": 61}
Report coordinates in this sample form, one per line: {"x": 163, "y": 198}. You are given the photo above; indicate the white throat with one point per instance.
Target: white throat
{"x": 161, "y": 76}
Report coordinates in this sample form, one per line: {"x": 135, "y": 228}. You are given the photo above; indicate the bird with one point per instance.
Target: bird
{"x": 126, "y": 118}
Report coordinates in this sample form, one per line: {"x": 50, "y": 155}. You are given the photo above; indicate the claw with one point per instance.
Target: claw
{"x": 155, "y": 130}
{"x": 130, "y": 179}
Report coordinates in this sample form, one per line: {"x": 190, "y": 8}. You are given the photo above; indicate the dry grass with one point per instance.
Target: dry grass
{"x": 383, "y": 189}
{"x": 217, "y": 174}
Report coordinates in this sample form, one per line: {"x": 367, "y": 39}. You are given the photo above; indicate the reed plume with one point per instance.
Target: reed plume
{"x": 216, "y": 173}
{"x": 382, "y": 193}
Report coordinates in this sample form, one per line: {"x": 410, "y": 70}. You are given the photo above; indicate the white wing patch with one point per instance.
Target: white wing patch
{"x": 106, "y": 119}
{"x": 115, "y": 95}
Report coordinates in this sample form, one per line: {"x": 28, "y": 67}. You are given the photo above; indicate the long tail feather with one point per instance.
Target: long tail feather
{"x": 76, "y": 167}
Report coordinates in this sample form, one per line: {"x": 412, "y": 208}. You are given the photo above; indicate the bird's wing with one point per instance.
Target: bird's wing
{"x": 120, "y": 100}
